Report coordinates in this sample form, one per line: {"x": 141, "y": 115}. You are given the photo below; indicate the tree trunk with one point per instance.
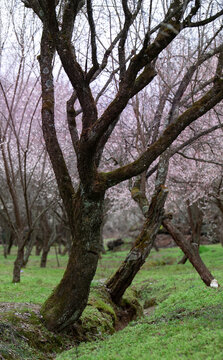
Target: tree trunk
{"x": 123, "y": 277}
{"x": 220, "y": 207}
{"x": 156, "y": 247}
{"x": 11, "y": 238}
{"x": 22, "y": 238}
{"x": 192, "y": 253}
{"x": 28, "y": 251}
{"x": 38, "y": 250}
{"x": 5, "y": 247}
{"x": 195, "y": 218}
{"x": 56, "y": 253}
{"x": 46, "y": 245}
{"x": 69, "y": 299}
{"x": 45, "y": 253}
{"x": 18, "y": 263}
{"x": 183, "y": 260}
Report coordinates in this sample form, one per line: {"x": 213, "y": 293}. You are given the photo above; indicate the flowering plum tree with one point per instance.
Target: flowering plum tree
{"x": 154, "y": 212}
{"x": 132, "y": 66}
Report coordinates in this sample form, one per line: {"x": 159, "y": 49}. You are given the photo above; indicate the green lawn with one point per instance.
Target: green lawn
{"x": 186, "y": 322}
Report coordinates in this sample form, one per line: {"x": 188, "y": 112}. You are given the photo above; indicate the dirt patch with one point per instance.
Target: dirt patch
{"x": 6, "y": 306}
{"x": 150, "y": 311}
{"x": 124, "y": 317}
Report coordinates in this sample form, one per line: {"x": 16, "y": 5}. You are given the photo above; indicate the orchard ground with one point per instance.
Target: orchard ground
{"x": 182, "y": 318}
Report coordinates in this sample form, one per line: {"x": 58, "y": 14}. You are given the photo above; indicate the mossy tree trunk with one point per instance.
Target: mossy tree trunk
{"x": 84, "y": 207}
{"x": 124, "y": 276}
{"x": 69, "y": 299}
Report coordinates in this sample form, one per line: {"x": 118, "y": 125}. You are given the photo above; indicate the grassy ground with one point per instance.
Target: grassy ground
{"x": 183, "y": 318}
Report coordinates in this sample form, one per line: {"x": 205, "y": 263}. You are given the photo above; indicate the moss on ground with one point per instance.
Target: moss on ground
{"x": 102, "y": 317}
{"x": 23, "y": 336}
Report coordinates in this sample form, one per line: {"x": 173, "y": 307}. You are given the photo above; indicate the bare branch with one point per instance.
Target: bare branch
{"x": 199, "y": 159}
{"x": 93, "y": 35}
{"x": 71, "y": 120}
{"x": 188, "y": 23}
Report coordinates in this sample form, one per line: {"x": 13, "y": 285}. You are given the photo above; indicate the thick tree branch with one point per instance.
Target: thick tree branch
{"x": 199, "y": 108}
{"x": 66, "y": 52}
{"x": 71, "y": 9}
{"x": 191, "y": 251}
{"x": 130, "y": 84}
{"x": 49, "y": 132}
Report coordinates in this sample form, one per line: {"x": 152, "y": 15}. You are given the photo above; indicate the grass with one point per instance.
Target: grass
{"x": 36, "y": 283}
{"x": 186, "y": 323}
{"x": 190, "y": 338}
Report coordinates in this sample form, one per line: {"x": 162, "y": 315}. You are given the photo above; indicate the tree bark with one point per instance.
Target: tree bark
{"x": 195, "y": 218}
{"x": 11, "y": 239}
{"x": 39, "y": 246}
{"x": 192, "y": 253}
{"x": 18, "y": 263}
{"x": 28, "y": 251}
{"x": 124, "y": 276}
{"x": 69, "y": 299}
{"x": 44, "y": 257}
{"x": 22, "y": 239}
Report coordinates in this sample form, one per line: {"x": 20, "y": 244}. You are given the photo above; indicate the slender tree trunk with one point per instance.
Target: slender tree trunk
{"x": 46, "y": 245}
{"x": 4, "y": 251}
{"x": 220, "y": 207}
{"x": 28, "y": 251}
{"x": 38, "y": 249}
{"x": 220, "y": 230}
{"x": 156, "y": 247}
{"x": 18, "y": 262}
{"x": 45, "y": 253}
{"x": 5, "y": 247}
{"x": 22, "y": 239}
{"x": 49, "y": 234}
{"x": 192, "y": 253}
{"x": 183, "y": 260}
{"x": 124, "y": 276}
{"x": 69, "y": 299}
{"x": 11, "y": 238}
{"x": 103, "y": 251}
{"x": 195, "y": 218}
{"x": 57, "y": 258}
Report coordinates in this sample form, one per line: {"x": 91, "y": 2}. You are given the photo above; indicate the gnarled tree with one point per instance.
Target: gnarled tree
{"x": 135, "y": 67}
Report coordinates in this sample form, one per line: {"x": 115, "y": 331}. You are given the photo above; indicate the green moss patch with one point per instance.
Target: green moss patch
{"x": 22, "y": 335}
{"x": 102, "y": 317}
